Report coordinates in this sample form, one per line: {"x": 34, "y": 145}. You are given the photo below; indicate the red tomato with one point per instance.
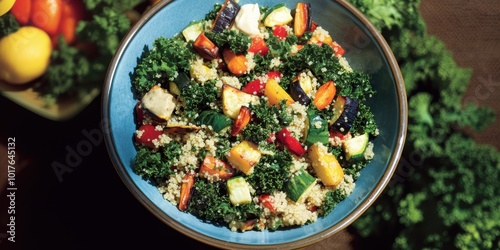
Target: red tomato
{"x": 21, "y": 11}
{"x": 72, "y": 12}
{"x": 46, "y": 15}
{"x": 56, "y": 17}
{"x": 147, "y": 134}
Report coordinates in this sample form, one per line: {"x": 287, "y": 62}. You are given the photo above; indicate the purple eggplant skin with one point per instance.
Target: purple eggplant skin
{"x": 298, "y": 94}
{"x": 349, "y": 113}
{"x": 226, "y": 15}
{"x": 309, "y": 17}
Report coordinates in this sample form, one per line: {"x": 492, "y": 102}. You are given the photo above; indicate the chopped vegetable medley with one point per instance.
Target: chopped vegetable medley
{"x": 252, "y": 118}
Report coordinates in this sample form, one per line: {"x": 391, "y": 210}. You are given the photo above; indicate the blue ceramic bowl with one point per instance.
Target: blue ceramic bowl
{"x": 366, "y": 50}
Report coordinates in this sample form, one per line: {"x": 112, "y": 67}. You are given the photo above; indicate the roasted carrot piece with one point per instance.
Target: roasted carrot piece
{"x": 186, "y": 187}
{"x": 205, "y": 47}
{"x": 324, "y": 95}
{"x": 302, "y": 20}
{"x": 236, "y": 63}
{"x": 242, "y": 120}
{"x": 212, "y": 166}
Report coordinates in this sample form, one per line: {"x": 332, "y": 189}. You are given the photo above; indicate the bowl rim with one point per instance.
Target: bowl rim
{"x": 349, "y": 219}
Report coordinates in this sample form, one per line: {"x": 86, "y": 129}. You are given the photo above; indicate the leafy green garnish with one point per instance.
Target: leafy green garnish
{"x": 160, "y": 64}
{"x": 209, "y": 201}
{"x": 268, "y": 120}
{"x": 238, "y": 42}
{"x": 198, "y": 97}
{"x": 8, "y": 24}
{"x": 271, "y": 172}
{"x": 156, "y": 166}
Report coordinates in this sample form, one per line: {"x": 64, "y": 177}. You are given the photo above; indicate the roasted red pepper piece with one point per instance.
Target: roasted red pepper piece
{"x": 334, "y": 133}
{"x": 271, "y": 138}
{"x": 258, "y": 46}
{"x": 212, "y": 166}
{"x": 248, "y": 225}
{"x": 186, "y": 187}
{"x": 147, "y": 133}
{"x": 314, "y": 25}
{"x": 255, "y": 87}
{"x": 339, "y": 51}
{"x": 205, "y": 47}
{"x": 265, "y": 200}
{"x": 302, "y": 19}
{"x": 290, "y": 142}
{"x": 274, "y": 74}
{"x": 280, "y": 32}
{"x": 242, "y": 120}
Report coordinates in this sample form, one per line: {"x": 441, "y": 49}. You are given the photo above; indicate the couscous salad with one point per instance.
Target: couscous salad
{"x": 252, "y": 118}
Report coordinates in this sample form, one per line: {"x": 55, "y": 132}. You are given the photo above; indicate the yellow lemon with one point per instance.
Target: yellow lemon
{"x": 5, "y": 6}
{"x": 24, "y": 55}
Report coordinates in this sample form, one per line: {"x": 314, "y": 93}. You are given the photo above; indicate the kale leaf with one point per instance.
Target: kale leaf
{"x": 161, "y": 64}
{"x": 156, "y": 166}
{"x": 210, "y": 201}
{"x": 271, "y": 172}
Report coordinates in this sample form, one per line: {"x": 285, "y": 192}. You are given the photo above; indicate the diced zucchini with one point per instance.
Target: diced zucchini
{"x": 244, "y": 156}
{"x": 354, "y": 148}
{"x": 239, "y": 191}
{"x": 317, "y": 128}
{"x": 212, "y": 118}
{"x": 180, "y": 82}
{"x": 299, "y": 186}
{"x": 277, "y": 15}
{"x": 193, "y": 30}
{"x": 233, "y": 99}
{"x": 325, "y": 164}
